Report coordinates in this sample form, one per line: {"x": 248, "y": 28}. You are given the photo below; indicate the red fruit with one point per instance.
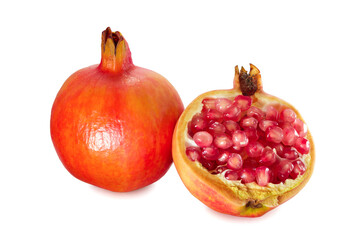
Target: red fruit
{"x": 271, "y": 113}
{"x": 255, "y": 113}
{"x": 210, "y": 153}
{"x": 300, "y": 127}
{"x": 263, "y": 176}
{"x": 209, "y": 165}
{"x": 239, "y": 139}
{"x": 112, "y": 123}
{"x": 222, "y": 104}
{"x": 231, "y": 126}
{"x": 302, "y": 145}
{"x": 299, "y": 169}
{"x": 283, "y": 169}
{"x": 231, "y": 175}
{"x": 223, "y": 157}
{"x": 248, "y": 122}
{"x": 193, "y": 153}
{"x": 268, "y": 157}
{"x": 263, "y": 152}
{"x": 203, "y": 139}
{"x": 213, "y": 114}
{"x": 232, "y": 113}
{"x": 234, "y": 161}
{"x": 251, "y": 134}
{"x": 264, "y": 124}
{"x": 209, "y": 103}
{"x": 222, "y": 141}
{"x": 246, "y": 175}
{"x": 198, "y": 123}
{"x": 274, "y": 134}
{"x": 290, "y": 135}
{"x": 289, "y": 153}
{"x": 288, "y": 115}
{"x": 254, "y": 149}
{"x": 243, "y": 102}
{"x": 216, "y": 128}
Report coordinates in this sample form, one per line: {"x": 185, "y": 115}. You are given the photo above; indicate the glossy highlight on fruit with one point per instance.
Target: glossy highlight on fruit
{"x": 112, "y": 123}
{"x": 256, "y": 154}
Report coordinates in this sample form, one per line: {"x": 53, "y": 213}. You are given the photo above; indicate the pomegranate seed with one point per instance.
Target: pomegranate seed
{"x": 250, "y": 163}
{"x": 246, "y": 175}
{"x": 222, "y": 158}
{"x": 255, "y": 113}
{"x": 248, "y": 122}
{"x": 193, "y": 153}
{"x": 235, "y": 161}
{"x": 263, "y": 176}
{"x": 239, "y": 139}
{"x": 268, "y": 157}
{"x": 254, "y": 149}
{"x": 283, "y": 169}
{"x": 300, "y": 127}
{"x": 213, "y": 114}
{"x": 264, "y": 124}
{"x": 274, "y": 134}
{"x": 299, "y": 169}
{"x": 290, "y": 153}
{"x": 302, "y": 145}
{"x": 209, "y": 103}
{"x": 279, "y": 149}
{"x": 223, "y": 141}
{"x": 243, "y": 102}
{"x": 210, "y": 153}
{"x": 209, "y": 165}
{"x": 251, "y": 134}
{"x": 231, "y": 126}
{"x": 203, "y": 139}
{"x": 216, "y": 128}
{"x": 290, "y": 135}
{"x": 222, "y": 104}
{"x": 232, "y": 113}
{"x": 288, "y": 115}
{"x": 198, "y": 123}
{"x": 231, "y": 175}
{"x": 271, "y": 113}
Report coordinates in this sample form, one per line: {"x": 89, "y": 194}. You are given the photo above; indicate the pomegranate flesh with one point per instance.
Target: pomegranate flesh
{"x": 261, "y": 152}
{"x": 112, "y": 123}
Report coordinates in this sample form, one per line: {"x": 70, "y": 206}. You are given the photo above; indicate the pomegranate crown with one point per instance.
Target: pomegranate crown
{"x": 248, "y": 82}
{"x": 115, "y": 52}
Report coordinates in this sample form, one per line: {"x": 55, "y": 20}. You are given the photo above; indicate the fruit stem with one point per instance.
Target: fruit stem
{"x": 115, "y": 52}
{"x": 248, "y": 83}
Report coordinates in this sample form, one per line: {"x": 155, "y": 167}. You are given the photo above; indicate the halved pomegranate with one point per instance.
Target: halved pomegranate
{"x": 242, "y": 151}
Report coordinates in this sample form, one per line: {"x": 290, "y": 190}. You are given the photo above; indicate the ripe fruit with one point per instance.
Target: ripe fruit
{"x": 262, "y": 158}
{"x": 112, "y": 123}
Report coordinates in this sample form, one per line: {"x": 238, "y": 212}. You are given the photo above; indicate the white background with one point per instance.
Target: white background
{"x": 305, "y": 51}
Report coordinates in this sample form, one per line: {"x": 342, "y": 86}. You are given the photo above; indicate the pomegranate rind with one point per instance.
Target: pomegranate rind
{"x": 233, "y": 197}
{"x": 115, "y": 132}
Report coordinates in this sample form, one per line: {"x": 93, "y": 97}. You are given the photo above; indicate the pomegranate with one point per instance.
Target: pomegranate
{"x": 112, "y": 123}
{"x": 258, "y": 147}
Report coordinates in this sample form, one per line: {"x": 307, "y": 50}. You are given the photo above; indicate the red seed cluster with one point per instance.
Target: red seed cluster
{"x": 248, "y": 143}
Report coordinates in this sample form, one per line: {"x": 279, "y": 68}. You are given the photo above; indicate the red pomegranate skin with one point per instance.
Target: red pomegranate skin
{"x": 113, "y": 128}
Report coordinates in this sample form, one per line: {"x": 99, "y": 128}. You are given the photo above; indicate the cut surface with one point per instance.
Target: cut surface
{"x": 258, "y": 142}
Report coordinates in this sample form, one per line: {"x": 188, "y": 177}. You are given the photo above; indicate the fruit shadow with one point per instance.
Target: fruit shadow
{"x": 132, "y": 194}
{"x": 226, "y": 217}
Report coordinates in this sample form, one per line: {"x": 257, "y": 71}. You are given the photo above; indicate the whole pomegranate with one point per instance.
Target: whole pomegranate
{"x": 112, "y": 123}
{"x": 242, "y": 151}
